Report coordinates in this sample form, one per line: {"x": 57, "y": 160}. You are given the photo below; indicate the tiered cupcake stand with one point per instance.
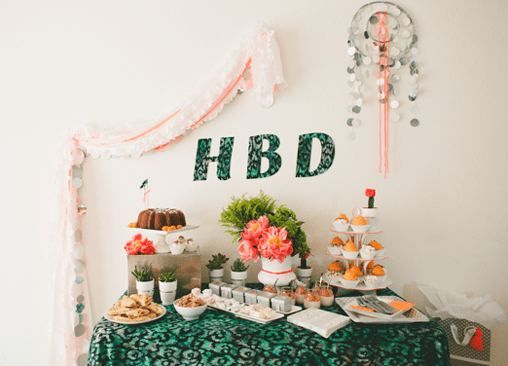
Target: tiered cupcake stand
{"x": 359, "y": 240}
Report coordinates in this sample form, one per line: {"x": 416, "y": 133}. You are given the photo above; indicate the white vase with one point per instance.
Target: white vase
{"x": 371, "y": 215}
{"x": 168, "y": 286}
{"x": 239, "y": 278}
{"x": 145, "y": 287}
{"x": 167, "y": 298}
{"x": 216, "y": 275}
{"x": 275, "y": 273}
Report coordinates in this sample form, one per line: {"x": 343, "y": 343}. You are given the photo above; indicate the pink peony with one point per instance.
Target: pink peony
{"x": 248, "y": 251}
{"x": 139, "y": 245}
{"x": 275, "y": 244}
{"x": 255, "y": 228}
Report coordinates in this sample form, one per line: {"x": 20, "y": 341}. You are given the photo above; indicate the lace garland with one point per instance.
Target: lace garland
{"x": 71, "y": 322}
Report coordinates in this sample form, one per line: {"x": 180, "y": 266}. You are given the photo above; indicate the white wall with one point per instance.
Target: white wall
{"x": 443, "y": 205}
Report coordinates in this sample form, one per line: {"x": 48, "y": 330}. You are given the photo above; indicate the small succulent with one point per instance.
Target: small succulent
{"x": 371, "y": 193}
{"x": 239, "y": 266}
{"x": 168, "y": 276}
{"x": 217, "y": 261}
{"x": 143, "y": 274}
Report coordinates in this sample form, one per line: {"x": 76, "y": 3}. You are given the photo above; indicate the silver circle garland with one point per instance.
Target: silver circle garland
{"x": 382, "y": 39}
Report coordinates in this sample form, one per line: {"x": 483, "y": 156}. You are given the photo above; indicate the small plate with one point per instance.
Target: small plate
{"x": 110, "y": 318}
{"x": 294, "y": 309}
{"x": 259, "y": 320}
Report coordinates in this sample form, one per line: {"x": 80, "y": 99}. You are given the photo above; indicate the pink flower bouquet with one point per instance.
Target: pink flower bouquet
{"x": 259, "y": 239}
{"x": 138, "y": 245}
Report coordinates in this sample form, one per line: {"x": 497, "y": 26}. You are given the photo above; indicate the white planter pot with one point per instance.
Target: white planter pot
{"x": 272, "y": 271}
{"x": 167, "y": 298}
{"x": 371, "y": 215}
{"x": 304, "y": 275}
{"x": 168, "y": 286}
{"x": 239, "y": 278}
{"x": 145, "y": 287}
{"x": 216, "y": 275}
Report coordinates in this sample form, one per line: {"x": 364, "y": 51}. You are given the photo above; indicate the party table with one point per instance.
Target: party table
{"x": 220, "y": 338}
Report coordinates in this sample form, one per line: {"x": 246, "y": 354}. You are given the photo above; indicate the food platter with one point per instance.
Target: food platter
{"x": 110, "y": 318}
{"x": 411, "y": 316}
{"x": 259, "y": 320}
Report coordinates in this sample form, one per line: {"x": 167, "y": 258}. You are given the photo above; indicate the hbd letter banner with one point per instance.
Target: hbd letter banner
{"x": 71, "y": 323}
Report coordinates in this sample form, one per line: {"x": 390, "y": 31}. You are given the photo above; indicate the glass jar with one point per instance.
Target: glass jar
{"x": 270, "y": 289}
{"x": 288, "y": 291}
{"x": 326, "y": 295}
{"x": 312, "y": 299}
{"x": 300, "y": 294}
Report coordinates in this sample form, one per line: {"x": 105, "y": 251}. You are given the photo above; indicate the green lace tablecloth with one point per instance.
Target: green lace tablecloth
{"x": 220, "y": 338}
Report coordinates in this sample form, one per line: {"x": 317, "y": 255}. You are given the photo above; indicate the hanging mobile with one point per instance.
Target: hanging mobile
{"x": 382, "y": 34}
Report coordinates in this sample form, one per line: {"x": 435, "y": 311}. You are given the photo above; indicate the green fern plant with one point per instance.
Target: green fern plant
{"x": 242, "y": 210}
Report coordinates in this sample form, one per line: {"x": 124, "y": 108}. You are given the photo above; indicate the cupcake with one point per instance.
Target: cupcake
{"x": 349, "y": 279}
{"x": 379, "y": 272}
{"x": 367, "y": 252}
{"x": 350, "y": 250}
{"x": 341, "y": 223}
{"x": 380, "y": 250}
{"x": 371, "y": 281}
{"x": 335, "y": 247}
{"x": 335, "y": 267}
{"x": 191, "y": 245}
{"x": 359, "y": 224}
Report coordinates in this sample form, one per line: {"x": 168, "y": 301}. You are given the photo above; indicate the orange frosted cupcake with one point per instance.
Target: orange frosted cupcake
{"x": 350, "y": 246}
{"x": 359, "y": 221}
{"x": 342, "y": 217}
{"x": 336, "y": 242}
{"x": 350, "y": 250}
{"x": 335, "y": 267}
{"x": 349, "y": 279}
{"x": 356, "y": 270}
{"x": 370, "y": 265}
{"x": 359, "y": 224}
{"x": 376, "y": 245}
{"x": 378, "y": 271}
{"x": 350, "y": 275}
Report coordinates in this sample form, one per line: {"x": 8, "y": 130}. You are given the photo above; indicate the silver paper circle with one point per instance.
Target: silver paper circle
{"x": 81, "y": 209}
{"x": 77, "y": 223}
{"x": 414, "y": 122}
{"x": 78, "y": 319}
{"x": 79, "y": 289}
{"x": 79, "y": 278}
{"x": 95, "y": 155}
{"x": 77, "y": 171}
{"x": 82, "y": 359}
{"x": 350, "y": 122}
{"x": 395, "y": 78}
{"x": 78, "y": 235}
{"x": 80, "y": 298}
{"x": 79, "y": 266}
{"x": 79, "y": 251}
{"x": 79, "y": 330}
{"x": 356, "y": 122}
{"x": 414, "y": 109}
{"x": 367, "y": 60}
{"x": 395, "y": 116}
{"x": 351, "y": 136}
{"x": 77, "y": 183}
{"x": 394, "y": 104}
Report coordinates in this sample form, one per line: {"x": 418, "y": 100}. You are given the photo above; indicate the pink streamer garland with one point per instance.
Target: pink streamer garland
{"x": 71, "y": 322}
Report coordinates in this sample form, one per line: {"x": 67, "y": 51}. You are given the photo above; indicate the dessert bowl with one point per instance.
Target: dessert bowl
{"x": 380, "y": 252}
{"x": 372, "y": 283}
{"x": 190, "y": 313}
{"x": 349, "y": 254}
{"x": 360, "y": 228}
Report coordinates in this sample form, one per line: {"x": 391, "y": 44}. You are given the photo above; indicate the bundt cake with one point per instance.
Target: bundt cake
{"x": 156, "y": 218}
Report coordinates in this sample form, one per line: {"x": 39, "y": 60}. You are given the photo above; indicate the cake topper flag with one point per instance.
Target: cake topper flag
{"x": 384, "y": 35}
{"x": 145, "y": 194}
